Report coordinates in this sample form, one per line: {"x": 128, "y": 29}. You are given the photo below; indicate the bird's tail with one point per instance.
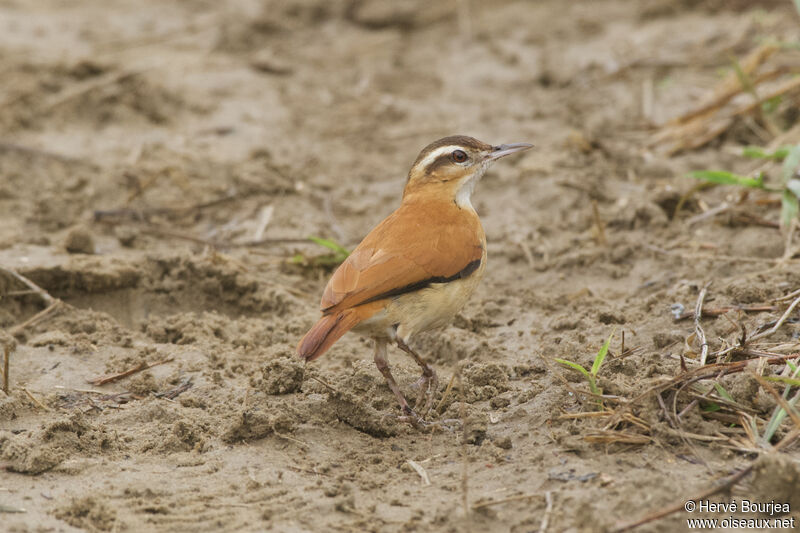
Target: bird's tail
{"x": 331, "y": 327}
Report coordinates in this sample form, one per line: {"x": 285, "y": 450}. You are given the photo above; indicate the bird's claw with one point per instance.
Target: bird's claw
{"x": 418, "y": 422}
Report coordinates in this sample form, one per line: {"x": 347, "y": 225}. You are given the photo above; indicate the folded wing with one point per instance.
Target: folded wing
{"x": 408, "y": 250}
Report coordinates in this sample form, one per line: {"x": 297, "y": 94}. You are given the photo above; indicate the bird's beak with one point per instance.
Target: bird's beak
{"x": 507, "y": 149}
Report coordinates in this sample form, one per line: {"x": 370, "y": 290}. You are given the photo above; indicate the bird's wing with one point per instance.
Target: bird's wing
{"x": 408, "y": 250}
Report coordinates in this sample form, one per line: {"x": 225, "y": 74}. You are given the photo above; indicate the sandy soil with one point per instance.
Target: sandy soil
{"x": 144, "y": 146}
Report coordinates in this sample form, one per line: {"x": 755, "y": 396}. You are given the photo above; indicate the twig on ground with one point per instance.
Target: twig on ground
{"x": 464, "y": 427}
{"x": 330, "y": 388}
{"x": 517, "y": 498}
{"x": 599, "y": 225}
{"x": 678, "y": 506}
{"x": 291, "y": 439}
{"x": 779, "y": 323}
{"x": 548, "y": 498}
{"x": 789, "y": 296}
{"x": 701, "y": 335}
{"x": 36, "y": 318}
{"x": 446, "y": 393}
{"x": 726, "y": 485}
{"x": 713, "y": 312}
{"x": 791, "y": 411}
{"x": 110, "y": 378}
{"x": 35, "y": 400}
{"x": 49, "y": 300}
{"x": 52, "y": 303}
{"x": 420, "y": 470}
{"x": 6, "y": 364}
{"x": 714, "y": 211}
{"x": 173, "y": 393}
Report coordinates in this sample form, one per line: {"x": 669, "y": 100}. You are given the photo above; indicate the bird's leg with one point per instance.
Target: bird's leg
{"x": 428, "y": 383}
{"x": 383, "y": 367}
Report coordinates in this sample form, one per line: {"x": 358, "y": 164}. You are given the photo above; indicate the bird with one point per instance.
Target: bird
{"x": 417, "y": 268}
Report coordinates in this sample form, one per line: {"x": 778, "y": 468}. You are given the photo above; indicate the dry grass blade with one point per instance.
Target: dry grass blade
{"x": 718, "y": 112}
{"x": 791, "y": 411}
{"x": 6, "y": 364}
{"x": 110, "y": 378}
{"x": 548, "y": 498}
{"x": 36, "y": 400}
{"x": 49, "y": 300}
{"x": 52, "y": 303}
{"x": 779, "y": 323}
{"x": 701, "y": 335}
{"x": 678, "y": 506}
{"x": 420, "y": 470}
{"x": 517, "y": 498}
{"x": 617, "y": 437}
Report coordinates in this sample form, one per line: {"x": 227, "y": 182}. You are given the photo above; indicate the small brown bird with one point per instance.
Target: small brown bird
{"x": 417, "y": 268}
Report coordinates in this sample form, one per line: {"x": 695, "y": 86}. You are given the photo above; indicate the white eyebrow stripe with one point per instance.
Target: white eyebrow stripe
{"x": 431, "y": 157}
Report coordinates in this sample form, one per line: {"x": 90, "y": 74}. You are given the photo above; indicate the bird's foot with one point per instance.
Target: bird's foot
{"x": 427, "y": 385}
{"x": 418, "y": 422}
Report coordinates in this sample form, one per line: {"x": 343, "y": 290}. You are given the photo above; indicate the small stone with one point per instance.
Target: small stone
{"x": 503, "y": 443}
{"x": 79, "y": 241}
{"x": 499, "y": 402}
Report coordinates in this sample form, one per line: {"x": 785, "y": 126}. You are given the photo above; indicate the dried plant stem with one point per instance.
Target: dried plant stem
{"x": 52, "y": 303}
{"x": 6, "y": 363}
{"x": 701, "y": 335}
{"x": 678, "y": 506}
{"x": 464, "y": 429}
{"x": 49, "y": 300}
{"x": 548, "y": 498}
{"x": 109, "y": 378}
{"x": 446, "y": 393}
{"x": 791, "y": 411}
{"x": 779, "y": 323}
{"x": 517, "y": 498}
{"x": 35, "y": 400}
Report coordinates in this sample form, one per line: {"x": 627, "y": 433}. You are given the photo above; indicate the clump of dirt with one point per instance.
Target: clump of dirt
{"x": 26, "y": 456}
{"x": 143, "y": 384}
{"x": 485, "y": 381}
{"x": 88, "y": 512}
{"x": 776, "y": 478}
{"x": 258, "y": 423}
{"x": 283, "y": 375}
{"x": 79, "y": 241}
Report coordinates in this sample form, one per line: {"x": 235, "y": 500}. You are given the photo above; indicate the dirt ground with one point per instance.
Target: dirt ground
{"x": 162, "y": 164}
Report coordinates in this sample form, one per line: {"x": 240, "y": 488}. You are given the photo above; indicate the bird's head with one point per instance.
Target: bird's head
{"x": 451, "y": 166}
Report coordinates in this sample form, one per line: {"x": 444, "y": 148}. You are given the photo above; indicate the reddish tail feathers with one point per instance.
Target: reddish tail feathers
{"x": 325, "y": 332}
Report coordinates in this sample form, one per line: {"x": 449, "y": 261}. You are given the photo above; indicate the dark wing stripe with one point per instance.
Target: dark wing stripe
{"x": 419, "y": 285}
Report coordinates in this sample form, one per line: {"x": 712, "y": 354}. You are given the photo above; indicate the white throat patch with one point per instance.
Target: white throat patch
{"x": 464, "y": 192}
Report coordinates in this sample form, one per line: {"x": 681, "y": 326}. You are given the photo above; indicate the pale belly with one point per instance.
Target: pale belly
{"x": 422, "y": 310}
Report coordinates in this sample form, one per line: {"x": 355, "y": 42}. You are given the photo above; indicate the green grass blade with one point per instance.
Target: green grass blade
{"x": 601, "y": 355}
{"x": 793, "y": 366}
{"x": 330, "y": 245}
{"x": 790, "y": 164}
{"x": 794, "y": 186}
{"x": 723, "y": 393}
{"x": 575, "y": 366}
{"x": 756, "y": 152}
{"x": 783, "y": 379}
{"x": 723, "y": 177}
{"x": 790, "y": 206}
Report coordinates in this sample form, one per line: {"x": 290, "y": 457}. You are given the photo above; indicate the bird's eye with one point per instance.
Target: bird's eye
{"x": 459, "y": 156}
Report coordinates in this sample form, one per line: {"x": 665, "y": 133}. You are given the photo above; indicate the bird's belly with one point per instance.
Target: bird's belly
{"x": 432, "y": 307}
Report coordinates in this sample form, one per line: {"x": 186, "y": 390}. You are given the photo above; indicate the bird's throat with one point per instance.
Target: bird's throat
{"x": 463, "y": 197}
